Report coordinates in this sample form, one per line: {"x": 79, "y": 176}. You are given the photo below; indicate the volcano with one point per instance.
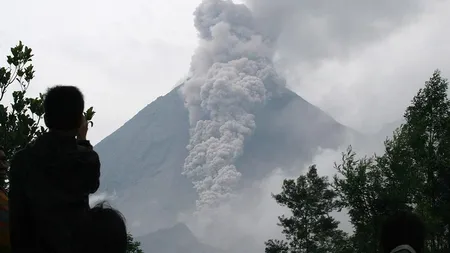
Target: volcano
{"x": 173, "y": 240}
{"x": 142, "y": 161}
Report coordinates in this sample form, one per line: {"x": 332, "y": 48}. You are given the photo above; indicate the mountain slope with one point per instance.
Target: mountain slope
{"x": 142, "y": 161}
{"x": 174, "y": 240}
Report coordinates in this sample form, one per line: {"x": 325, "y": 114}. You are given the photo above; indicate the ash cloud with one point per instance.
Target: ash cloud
{"x": 298, "y": 36}
{"x": 101, "y": 197}
{"x": 232, "y": 71}
{"x": 309, "y": 31}
{"x": 229, "y": 73}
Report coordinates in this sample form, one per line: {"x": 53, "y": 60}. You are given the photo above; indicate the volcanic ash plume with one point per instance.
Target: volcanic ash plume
{"x": 230, "y": 74}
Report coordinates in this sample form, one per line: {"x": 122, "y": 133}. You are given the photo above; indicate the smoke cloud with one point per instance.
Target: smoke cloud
{"x": 100, "y": 197}
{"x": 232, "y": 68}
{"x": 334, "y": 51}
{"x": 229, "y": 73}
{"x": 250, "y": 218}
{"x": 309, "y": 31}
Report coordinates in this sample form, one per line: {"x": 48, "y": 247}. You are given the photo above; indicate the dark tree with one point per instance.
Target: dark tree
{"x": 133, "y": 246}
{"x": 311, "y": 228}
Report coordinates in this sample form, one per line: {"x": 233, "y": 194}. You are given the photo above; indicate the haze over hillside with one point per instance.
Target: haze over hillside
{"x": 173, "y": 240}
{"x": 143, "y": 160}
{"x": 200, "y": 154}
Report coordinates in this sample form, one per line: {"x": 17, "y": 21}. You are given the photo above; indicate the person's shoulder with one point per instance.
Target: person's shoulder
{"x": 24, "y": 152}
{"x": 19, "y": 155}
{"x": 23, "y": 156}
{"x": 84, "y": 145}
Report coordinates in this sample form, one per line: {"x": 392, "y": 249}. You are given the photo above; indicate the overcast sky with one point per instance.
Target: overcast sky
{"x": 124, "y": 54}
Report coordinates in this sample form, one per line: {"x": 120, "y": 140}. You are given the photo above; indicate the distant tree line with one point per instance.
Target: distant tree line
{"x": 413, "y": 174}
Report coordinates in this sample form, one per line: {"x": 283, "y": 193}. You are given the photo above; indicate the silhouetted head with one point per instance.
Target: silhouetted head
{"x": 63, "y": 106}
{"x": 107, "y": 230}
{"x": 403, "y": 228}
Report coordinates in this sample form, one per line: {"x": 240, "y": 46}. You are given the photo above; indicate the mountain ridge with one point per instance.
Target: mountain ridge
{"x": 178, "y": 238}
{"x": 142, "y": 161}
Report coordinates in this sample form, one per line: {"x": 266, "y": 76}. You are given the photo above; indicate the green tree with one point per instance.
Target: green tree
{"x": 133, "y": 246}
{"x": 423, "y": 148}
{"x": 311, "y": 228}
{"x": 19, "y": 122}
{"x": 413, "y": 173}
{"x": 365, "y": 190}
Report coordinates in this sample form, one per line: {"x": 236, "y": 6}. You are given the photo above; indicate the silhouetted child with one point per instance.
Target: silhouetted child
{"x": 107, "y": 230}
{"x": 51, "y": 179}
{"x": 403, "y": 232}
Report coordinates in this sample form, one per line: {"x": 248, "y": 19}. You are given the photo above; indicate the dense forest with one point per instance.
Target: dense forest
{"x": 413, "y": 174}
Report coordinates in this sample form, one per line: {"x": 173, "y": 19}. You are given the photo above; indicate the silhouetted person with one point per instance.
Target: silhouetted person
{"x": 107, "y": 231}
{"x": 51, "y": 179}
{"x": 403, "y": 232}
{"x": 5, "y": 245}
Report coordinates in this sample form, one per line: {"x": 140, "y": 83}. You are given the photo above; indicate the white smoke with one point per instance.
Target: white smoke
{"x": 249, "y": 219}
{"x": 231, "y": 76}
{"x": 100, "y": 197}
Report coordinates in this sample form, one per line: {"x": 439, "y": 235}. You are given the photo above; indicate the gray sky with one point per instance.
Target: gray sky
{"x": 362, "y": 63}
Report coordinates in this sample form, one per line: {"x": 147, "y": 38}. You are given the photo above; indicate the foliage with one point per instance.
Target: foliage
{"x": 133, "y": 246}
{"x": 412, "y": 174}
{"x": 359, "y": 185}
{"x": 310, "y": 228}
{"x": 88, "y": 115}
{"x": 19, "y": 123}
{"x": 425, "y": 143}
